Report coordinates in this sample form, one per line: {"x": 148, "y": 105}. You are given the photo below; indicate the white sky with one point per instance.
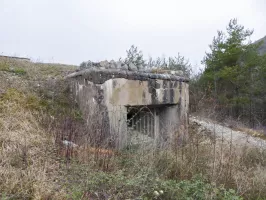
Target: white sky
{"x": 72, "y": 31}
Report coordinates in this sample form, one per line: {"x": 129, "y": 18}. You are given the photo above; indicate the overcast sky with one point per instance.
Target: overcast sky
{"x": 71, "y": 31}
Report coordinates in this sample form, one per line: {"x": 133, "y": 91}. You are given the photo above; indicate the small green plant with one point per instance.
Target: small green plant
{"x": 16, "y": 70}
{"x": 4, "y": 197}
{"x": 76, "y": 194}
{"x": 19, "y": 71}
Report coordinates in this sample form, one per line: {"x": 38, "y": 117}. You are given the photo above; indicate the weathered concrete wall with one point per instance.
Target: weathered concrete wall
{"x": 104, "y": 96}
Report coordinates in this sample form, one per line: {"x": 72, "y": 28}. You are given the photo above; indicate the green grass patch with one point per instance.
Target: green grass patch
{"x": 143, "y": 185}
{"x": 19, "y": 71}
{"x": 16, "y": 70}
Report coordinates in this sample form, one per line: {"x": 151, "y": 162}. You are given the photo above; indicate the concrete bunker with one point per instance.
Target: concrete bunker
{"x": 121, "y": 105}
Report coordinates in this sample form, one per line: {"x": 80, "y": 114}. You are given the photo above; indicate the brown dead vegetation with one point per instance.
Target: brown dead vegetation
{"x": 33, "y": 164}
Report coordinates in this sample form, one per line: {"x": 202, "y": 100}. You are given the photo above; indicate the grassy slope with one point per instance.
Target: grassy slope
{"x": 33, "y": 110}
{"x": 28, "y": 165}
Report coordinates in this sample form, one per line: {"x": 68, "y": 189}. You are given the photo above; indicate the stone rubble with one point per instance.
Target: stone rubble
{"x": 118, "y": 65}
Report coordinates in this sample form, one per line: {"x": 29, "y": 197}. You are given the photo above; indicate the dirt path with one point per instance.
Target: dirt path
{"x": 223, "y": 132}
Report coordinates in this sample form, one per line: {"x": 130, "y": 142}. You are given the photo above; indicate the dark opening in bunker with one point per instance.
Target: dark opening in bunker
{"x": 145, "y": 119}
{"x": 141, "y": 119}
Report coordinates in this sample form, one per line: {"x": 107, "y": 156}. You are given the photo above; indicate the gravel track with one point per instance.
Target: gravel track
{"x": 219, "y": 131}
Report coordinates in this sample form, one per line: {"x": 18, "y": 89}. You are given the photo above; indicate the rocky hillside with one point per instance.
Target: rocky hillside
{"x": 262, "y": 48}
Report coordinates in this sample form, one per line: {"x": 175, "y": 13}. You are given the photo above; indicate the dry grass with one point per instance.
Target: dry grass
{"x": 35, "y": 71}
{"x": 28, "y": 169}
{"x": 28, "y": 159}
{"x": 242, "y": 169}
{"x": 33, "y": 111}
{"x": 252, "y": 132}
